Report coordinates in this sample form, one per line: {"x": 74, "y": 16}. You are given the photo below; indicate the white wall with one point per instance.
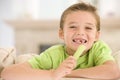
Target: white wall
{"x": 6, "y": 35}
{"x": 40, "y": 9}
{"x": 6, "y": 11}
{"x": 109, "y": 8}
{"x": 6, "y": 32}
{"x": 23, "y": 9}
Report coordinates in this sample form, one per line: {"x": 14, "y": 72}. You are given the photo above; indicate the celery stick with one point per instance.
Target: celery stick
{"x": 79, "y": 51}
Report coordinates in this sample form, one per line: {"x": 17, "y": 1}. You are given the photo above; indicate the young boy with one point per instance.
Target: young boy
{"x": 79, "y": 25}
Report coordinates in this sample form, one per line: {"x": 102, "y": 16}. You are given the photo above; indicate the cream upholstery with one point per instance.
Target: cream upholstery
{"x": 24, "y": 57}
{"x": 116, "y": 55}
{"x": 7, "y": 57}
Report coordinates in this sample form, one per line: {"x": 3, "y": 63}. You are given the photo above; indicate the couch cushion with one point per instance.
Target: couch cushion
{"x": 7, "y": 57}
{"x": 116, "y": 55}
{"x": 24, "y": 57}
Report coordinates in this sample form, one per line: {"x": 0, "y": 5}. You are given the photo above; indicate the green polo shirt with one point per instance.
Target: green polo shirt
{"x": 53, "y": 56}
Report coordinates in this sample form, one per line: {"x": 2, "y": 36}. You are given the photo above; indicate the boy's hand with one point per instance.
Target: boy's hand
{"x": 65, "y": 68}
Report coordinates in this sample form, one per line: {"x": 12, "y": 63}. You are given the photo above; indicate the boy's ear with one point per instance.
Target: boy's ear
{"x": 97, "y": 35}
{"x": 61, "y": 34}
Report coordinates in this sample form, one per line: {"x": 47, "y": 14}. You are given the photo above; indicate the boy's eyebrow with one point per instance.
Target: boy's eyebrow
{"x": 90, "y": 24}
{"x": 72, "y": 23}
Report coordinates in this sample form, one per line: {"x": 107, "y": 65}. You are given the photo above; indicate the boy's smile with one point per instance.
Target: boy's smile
{"x": 79, "y": 41}
{"x": 79, "y": 28}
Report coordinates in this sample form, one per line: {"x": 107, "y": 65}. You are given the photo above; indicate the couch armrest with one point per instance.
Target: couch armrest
{"x": 24, "y": 57}
{"x": 7, "y": 57}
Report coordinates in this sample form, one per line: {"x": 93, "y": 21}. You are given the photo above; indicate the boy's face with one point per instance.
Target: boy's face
{"x": 79, "y": 28}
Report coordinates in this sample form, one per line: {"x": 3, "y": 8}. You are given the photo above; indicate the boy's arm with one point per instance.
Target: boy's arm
{"x": 108, "y": 70}
{"x": 24, "y": 71}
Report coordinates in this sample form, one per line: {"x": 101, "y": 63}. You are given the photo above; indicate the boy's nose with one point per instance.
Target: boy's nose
{"x": 80, "y": 32}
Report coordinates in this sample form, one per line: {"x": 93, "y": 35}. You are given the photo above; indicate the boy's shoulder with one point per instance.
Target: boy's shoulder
{"x": 100, "y": 44}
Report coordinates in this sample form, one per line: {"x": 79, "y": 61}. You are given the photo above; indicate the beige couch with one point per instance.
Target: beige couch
{"x": 8, "y": 57}
{"x": 116, "y": 55}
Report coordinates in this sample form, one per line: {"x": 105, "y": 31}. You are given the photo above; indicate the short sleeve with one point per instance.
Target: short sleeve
{"x": 102, "y": 53}
{"x": 43, "y": 61}
{"x": 49, "y": 59}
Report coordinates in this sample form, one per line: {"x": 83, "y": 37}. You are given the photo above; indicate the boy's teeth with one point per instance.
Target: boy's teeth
{"x": 80, "y": 41}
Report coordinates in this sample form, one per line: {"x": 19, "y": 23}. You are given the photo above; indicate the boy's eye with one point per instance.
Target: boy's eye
{"x": 72, "y": 26}
{"x": 89, "y": 28}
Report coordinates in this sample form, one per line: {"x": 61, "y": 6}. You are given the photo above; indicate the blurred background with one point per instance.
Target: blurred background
{"x": 32, "y": 25}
